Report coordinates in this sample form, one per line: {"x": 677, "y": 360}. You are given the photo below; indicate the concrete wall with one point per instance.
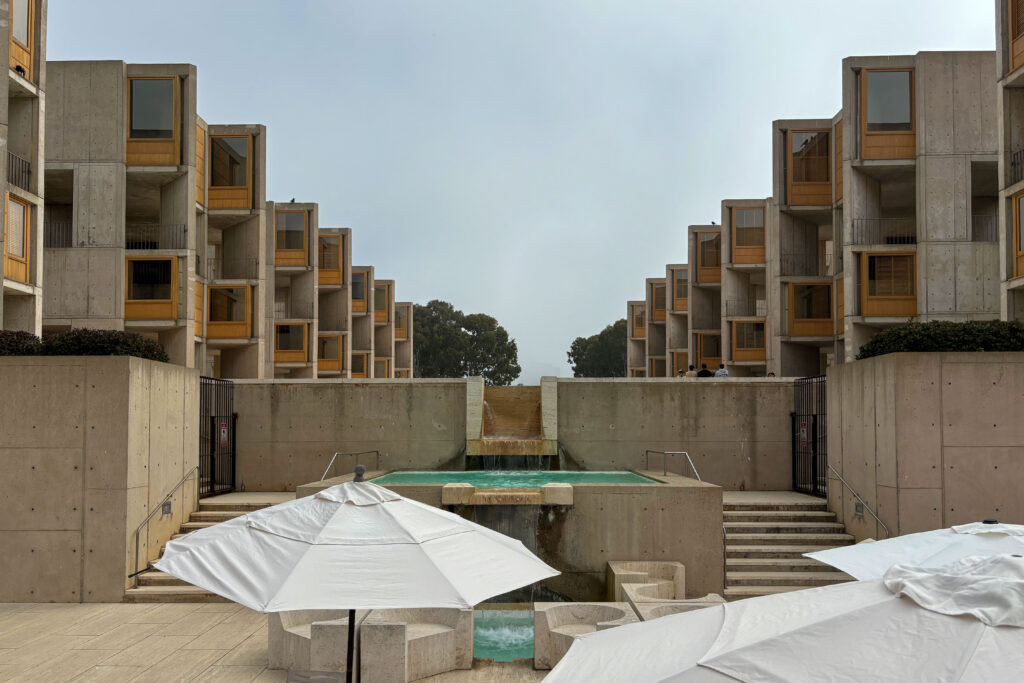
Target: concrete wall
{"x": 88, "y": 446}
{"x": 289, "y": 429}
{"x": 736, "y": 430}
{"x": 929, "y": 440}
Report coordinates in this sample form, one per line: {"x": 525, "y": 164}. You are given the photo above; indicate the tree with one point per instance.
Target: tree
{"x": 449, "y": 343}
{"x": 602, "y": 354}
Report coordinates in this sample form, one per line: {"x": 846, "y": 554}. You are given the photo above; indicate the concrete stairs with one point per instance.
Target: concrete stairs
{"x": 765, "y": 541}
{"x": 156, "y": 586}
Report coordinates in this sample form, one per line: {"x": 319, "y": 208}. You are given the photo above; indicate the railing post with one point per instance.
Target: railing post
{"x": 792, "y": 447}
{"x": 234, "y": 448}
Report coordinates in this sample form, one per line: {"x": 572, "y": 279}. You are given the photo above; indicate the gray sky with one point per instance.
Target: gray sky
{"x": 530, "y": 159}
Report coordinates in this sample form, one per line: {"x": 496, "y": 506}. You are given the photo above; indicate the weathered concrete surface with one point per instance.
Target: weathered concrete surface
{"x": 289, "y": 429}
{"x": 929, "y": 440}
{"x": 736, "y": 430}
{"x": 88, "y": 446}
{"x": 555, "y": 624}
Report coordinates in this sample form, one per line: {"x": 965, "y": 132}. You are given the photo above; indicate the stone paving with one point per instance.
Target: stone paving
{"x": 157, "y": 642}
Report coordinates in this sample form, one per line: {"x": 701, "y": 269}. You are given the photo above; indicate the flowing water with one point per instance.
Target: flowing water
{"x": 503, "y": 635}
{"x": 513, "y": 479}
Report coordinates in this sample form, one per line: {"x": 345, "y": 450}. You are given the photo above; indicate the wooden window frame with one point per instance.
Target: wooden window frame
{"x": 707, "y": 273}
{"x": 901, "y": 306}
{"x": 837, "y": 146}
{"x": 331, "y": 364}
{"x": 1016, "y": 43}
{"x": 808, "y": 193}
{"x": 150, "y": 309}
{"x": 747, "y": 254}
{"x": 702, "y": 359}
{"x": 365, "y": 355}
{"x": 330, "y": 276}
{"x": 292, "y": 355}
{"x": 888, "y": 144}
{"x": 17, "y": 46}
{"x": 146, "y": 148}
{"x": 387, "y": 368}
{"x": 223, "y": 329}
{"x": 1018, "y": 247}
{"x": 402, "y": 332}
{"x": 652, "y": 367}
{"x": 200, "y": 298}
{"x": 292, "y": 257}
{"x": 200, "y": 165}
{"x": 382, "y": 316}
{"x": 18, "y": 268}
{"x": 810, "y": 327}
{"x": 680, "y": 303}
{"x": 676, "y": 366}
{"x": 231, "y": 196}
{"x": 359, "y": 305}
{"x": 658, "y": 314}
{"x": 639, "y": 332}
{"x": 637, "y": 372}
{"x": 749, "y": 353}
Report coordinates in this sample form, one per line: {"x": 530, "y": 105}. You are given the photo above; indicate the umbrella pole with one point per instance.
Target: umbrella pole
{"x": 351, "y": 646}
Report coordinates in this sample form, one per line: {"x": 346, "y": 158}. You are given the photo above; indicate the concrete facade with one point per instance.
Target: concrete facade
{"x": 22, "y": 126}
{"x": 929, "y": 440}
{"x": 104, "y": 440}
{"x": 1010, "y": 161}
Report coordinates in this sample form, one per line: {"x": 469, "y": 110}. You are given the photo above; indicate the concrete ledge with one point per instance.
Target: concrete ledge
{"x": 311, "y": 640}
{"x": 400, "y": 645}
{"x": 555, "y": 624}
{"x": 666, "y": 579}
{"x": 654, "y": 610}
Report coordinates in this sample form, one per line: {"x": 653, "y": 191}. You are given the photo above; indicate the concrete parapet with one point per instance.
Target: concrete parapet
{"x": 457, "y": 494}
{"x": 555, "y": 624}
{"x": 556, "y": 494}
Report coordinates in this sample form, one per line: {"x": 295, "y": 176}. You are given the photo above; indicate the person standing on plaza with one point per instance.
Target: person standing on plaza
{"x": 692, "y": 372}
{"x": 704, "y": 372}
{"x": 721, "y": 371}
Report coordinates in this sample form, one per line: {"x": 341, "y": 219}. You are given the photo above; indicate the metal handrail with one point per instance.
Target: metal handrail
{"x": 335, "y": 457}
{"x": 863, "y": 502}
{"x": 664, "y": 461}
{"x": 152, "y": 512}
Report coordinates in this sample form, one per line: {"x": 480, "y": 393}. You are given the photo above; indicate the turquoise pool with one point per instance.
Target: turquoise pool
{"x": 503, "y": 635}
{"x": 512, "y": 479}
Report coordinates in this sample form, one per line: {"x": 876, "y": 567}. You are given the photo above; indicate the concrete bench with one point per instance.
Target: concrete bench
{"x": 400, "y": 645}
{"x": 555, "y": 624}
{"x": 669, "y": 578}
{"x": 653, "y": 610}
{"x": 310, "y": 640}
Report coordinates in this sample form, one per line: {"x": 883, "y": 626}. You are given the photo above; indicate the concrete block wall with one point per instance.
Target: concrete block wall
{"x": 88, "y": 446}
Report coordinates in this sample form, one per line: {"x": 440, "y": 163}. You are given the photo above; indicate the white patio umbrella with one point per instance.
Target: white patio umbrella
{"x": 961, "y": 622}
{"x": 925, "y": 549}
{"x": 352, "y": 546}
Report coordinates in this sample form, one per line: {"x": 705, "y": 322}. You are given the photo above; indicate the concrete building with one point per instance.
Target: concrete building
{"x": 743, "y": 295}
{"x": 655, "y": 308}
{"x": 292, "y": 319}
{"x": 636, "y": 343}
{"x": 677, "y": 320}
{"x": 22, "y": 122}
{"x": 1010, "y": 178}
{"x": 704, "y": 302}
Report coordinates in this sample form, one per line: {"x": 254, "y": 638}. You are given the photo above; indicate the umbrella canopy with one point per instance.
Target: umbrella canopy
{"x": 352, "y": 546}
{"x": 961, "y": 622}
{"x": 926, "y": 549}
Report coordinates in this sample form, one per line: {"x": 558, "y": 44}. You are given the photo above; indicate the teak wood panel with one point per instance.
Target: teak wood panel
{"x": 151, "y": 309}
{"x": 200, "y": 165}
{"x": 702, "y": 353}
{"x": 292, "y": 355}
{"x": 656, "y": 367}
{"x": 805, "y": 193}
{"x": 150, "y": 152}
{"x": 357, "y": 373}
{"x": 1018, "y": 248}
{"x": 747, "y": 354}
{"x": 887, "y": 144}
{"x": 637, "y": 372}
{"x": 679, "y": 361}
{"x": 378, "y": 372}
{"x": 838, "y": 137}
{"x": 809, "y": 327}
{"x": 401, "y": 373}
{"x": 17, "y": 268}
{"x": 21, "y": 55}
{"x": 1015, "y": 8}
{"x": 234, "y": 329}
{"x": 378, "y": 315}
{"x": 237, "y": 197}
{"x": 658, "y": 314}
{"x": 200, "y": 296}
{"x": 293, "y": 257}
{"x": 324, "y": 363}
{"x": 887, "y": 306}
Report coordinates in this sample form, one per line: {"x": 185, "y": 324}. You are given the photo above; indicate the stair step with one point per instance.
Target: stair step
{"x": 158, "y": 578}
{"x": 192, "y": 526}
{"x": 240, "y": 508}
{"x": 784, "y": 527}
{"x": 215, "y": 516}
{"x": 742, "y": 592}
{"x": 776, "y": 578}
{"x": 171, "y": 594}
{"x": 831, "y": 540}
{"x": 778, "y": 516}
{"x": 769, "y": 507}
{"x": 776, "y": 564}
{"x": 762, "y": 551}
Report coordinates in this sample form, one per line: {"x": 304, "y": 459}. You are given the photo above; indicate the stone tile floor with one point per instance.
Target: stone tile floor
{"x": 159, "y": 642}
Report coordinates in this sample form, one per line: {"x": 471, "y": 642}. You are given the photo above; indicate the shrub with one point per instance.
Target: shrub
{"x": 103, "y": 343}
{"x": 936, "y": 336}
{"x": 14, "y": 343}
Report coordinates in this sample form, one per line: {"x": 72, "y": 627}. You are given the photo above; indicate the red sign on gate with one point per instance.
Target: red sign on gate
{"x": 803, "y": 433}
{"x": 223, "y": 433}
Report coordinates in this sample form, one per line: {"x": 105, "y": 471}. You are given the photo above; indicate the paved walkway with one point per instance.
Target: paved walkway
{"x": 152, "y": 643}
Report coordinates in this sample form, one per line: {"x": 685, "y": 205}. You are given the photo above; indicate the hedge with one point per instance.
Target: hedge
{"x": 82, "y": 343}
{"x": 937, "y": 336}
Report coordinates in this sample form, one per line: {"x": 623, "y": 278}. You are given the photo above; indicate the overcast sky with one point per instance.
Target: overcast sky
{"x": 530, "y": 159}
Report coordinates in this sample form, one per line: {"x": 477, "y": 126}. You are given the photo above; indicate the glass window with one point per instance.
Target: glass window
{"x": 711, "y": 345}
{"x": 359, "y": 363}
{"x": 1017, "y": 18}
{"x": 400, "y": 318}
{"x": 680, "y": 284}
{"x": 19, "y": 21}
{"x": 639, "y": 319}
{"x": 710, "y": 250}
{"x": 749, "y": 335}
{"x": 330, "y": 348}
{"x": 17, "y": 220}
{"x": 330, "y": 253}
{"x": 889, "y": 101}
{"x": 227, "y": 304}
{"x": 1020, "y": 223}
{"x": 290, "y": 337}
{"x": 149, "y": 280}
{"x": 659, "y": 297}
{"x": 890, "y": 275}
{"x": 812, "y": 302}
{"x": 229, "y": 161}
{"x": 380, "y": 368}
{"x": 380, "y": 298}
{"x": 152, "y": 108}
{"x": 748, "y": 225}
{"x": 810, "y": 150}
{"x": 291, "y": 230}
{"x": 657, "y": 367}
{"x": 359, "y": 286}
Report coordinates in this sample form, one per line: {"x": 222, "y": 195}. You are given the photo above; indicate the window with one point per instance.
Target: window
{"x": 889, "y": 101}
{"x": 657, "y": 367}
{"x": 17, "y": 229}
{"x": 890, "y": 275}
{"x": 229, "y": 161}
{"x": 810, "y": 156}
{"x": 639, "y": 322}
{"x": 401, "y": 322}
{"x": 20, "y": 18}
{"x": 151, "y": 108}
{"x": 359, "y": 291}
{"x": 382, "y": 368}
{"x": 748, "y": 227}
{"x": 658, "y": 300}
{"x": 710, "y": 250}
{"x": 329, "y": 348}
{"x": 812, "y": 302}
{"x": 380, "y": 298}
{"x": 679, "y": 278}
{"x": 330, "y": 253}
{"x": 228, "y": 304}
{"x": 1018, "y": 235}
{"x": 748, "y": 335}
{"x": 291, "y": 230}
{"x": 710, "y": 346}
{"x": 1016, "y": 18}
{"x": 290, "y": 338}
{"x": 637, "y": 373}
{"x": 149, "y": 280}
{"x": 359, "y": 364}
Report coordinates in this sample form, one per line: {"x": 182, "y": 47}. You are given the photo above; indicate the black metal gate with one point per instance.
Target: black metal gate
{"x": 217, "y": 420}
{"x": 810, "y": 436}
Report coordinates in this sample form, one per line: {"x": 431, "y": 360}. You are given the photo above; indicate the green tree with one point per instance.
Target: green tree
{"x": 602, "y": 354}
{"x": 449, "y": 343}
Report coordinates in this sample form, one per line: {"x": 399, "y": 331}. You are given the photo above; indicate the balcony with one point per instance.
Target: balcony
{"x": 746, "y": 308}
{"x": 1017, "y": 167}
{"x": 19, "y": 172}
{"x": 58, "y": 235}
{"x": 229, "y": 313}
{"x": 984, "y": 228}
{"x": 884, "y": 231}
{"x": 156, "y": 236}
{"x": 799, "y": 264}
{"x": 810, "y": 310}
{"x": 330, "y": 351}
{"x": 748, "y": 342}
{"x": 291, "y": 343}
{"x": 888, "y": 285}
{"x": 151, "y": 286}
{"x": 293, "y": 311}
{"x": 245, "y": 268}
